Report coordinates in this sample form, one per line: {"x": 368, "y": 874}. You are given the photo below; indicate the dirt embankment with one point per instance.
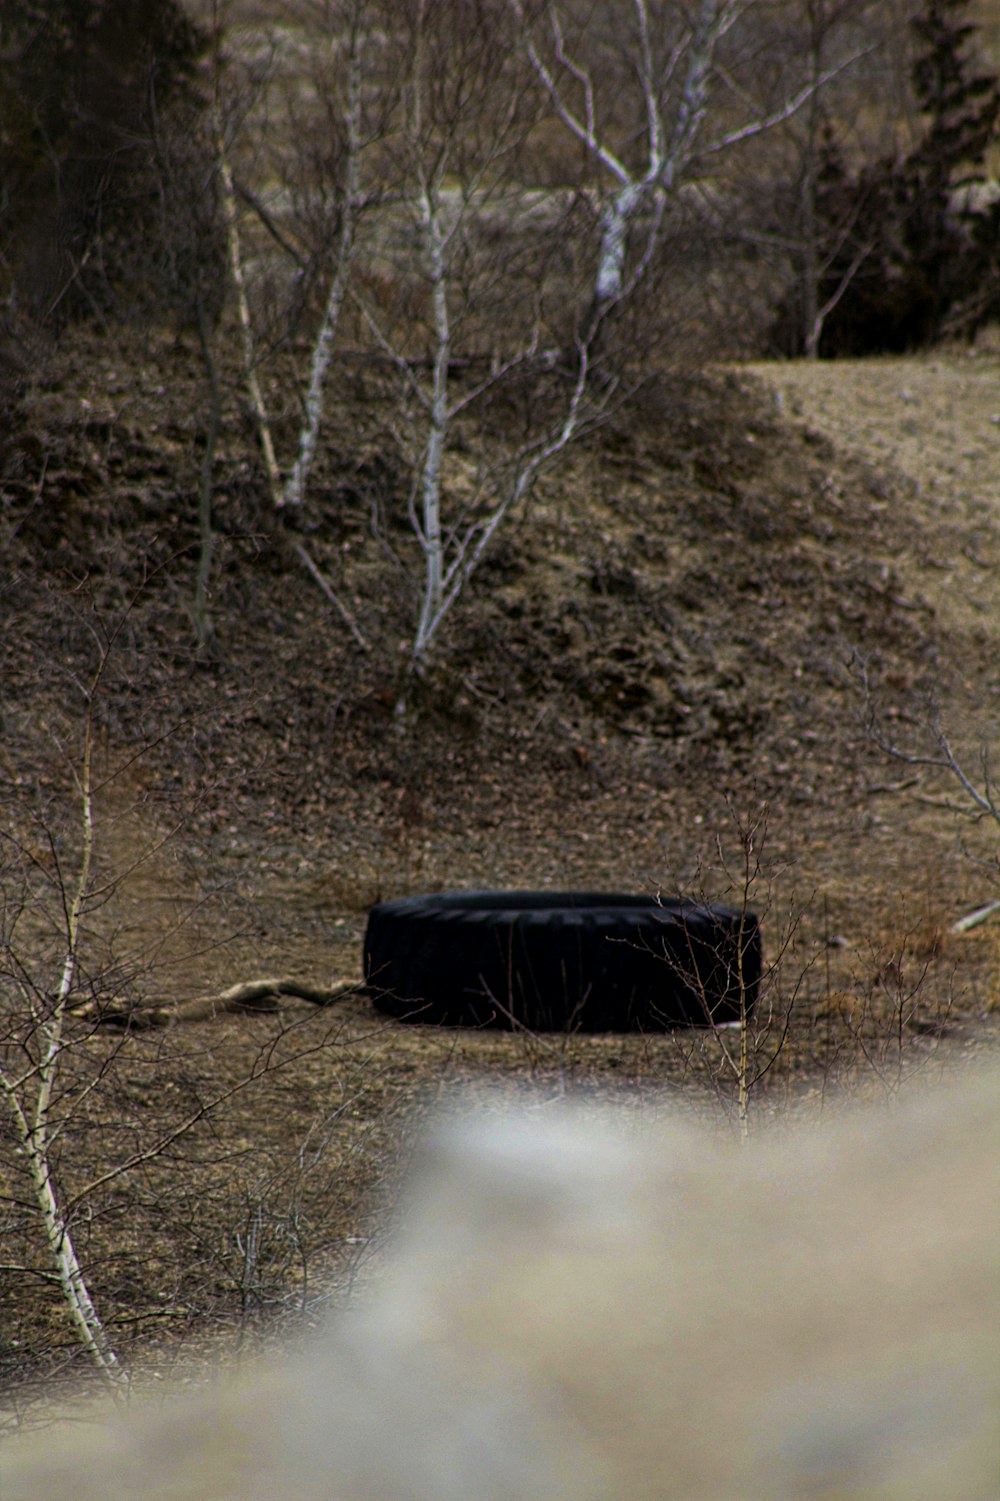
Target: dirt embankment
{"x": 664, "y": 636}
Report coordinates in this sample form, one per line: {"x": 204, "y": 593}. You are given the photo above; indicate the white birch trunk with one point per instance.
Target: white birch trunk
{"x": 633, "y": 192}
{"x": 430, "y": 530}
{"x": 322, "y": 353}
{"x": 694, "y": 99}
{"x": 76, "y": 1294}
{"x": 666, "y": 166}
{"x": 616, "y": 217}
{"x": 246, "y": 323}
{"x": 527, "y": 467}
{"x": 32, "y": 1126}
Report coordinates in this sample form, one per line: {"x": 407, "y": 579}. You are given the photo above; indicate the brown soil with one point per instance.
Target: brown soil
{"x": 668, "y": 637}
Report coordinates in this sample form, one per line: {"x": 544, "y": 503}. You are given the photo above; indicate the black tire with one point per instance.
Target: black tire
{"x": 561, "y": 961}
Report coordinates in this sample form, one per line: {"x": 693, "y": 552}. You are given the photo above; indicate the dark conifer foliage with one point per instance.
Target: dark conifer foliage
{"x": 910, "y": 245}
{"x": 90, "y": 91}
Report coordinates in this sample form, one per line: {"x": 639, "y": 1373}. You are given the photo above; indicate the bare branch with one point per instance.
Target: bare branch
{"x": 785, "y": 111}
{"x": 332, "y": 596}
{"x": 584, "y": 130}
{"x": 235, "y": 249}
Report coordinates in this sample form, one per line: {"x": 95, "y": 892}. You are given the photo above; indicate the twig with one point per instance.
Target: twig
{"x": 333, "y": 597}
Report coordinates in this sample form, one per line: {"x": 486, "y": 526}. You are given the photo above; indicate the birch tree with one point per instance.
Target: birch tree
{"x": 690, "y": 100}
{"x": 479, "y": 82}
{"x": 339, "y": 86}
{"x": 35, "y": 1039}
{"x": 97, "y": 1129}
{"x": 469, "y": 318}
{"x": 674, "y": 89}
{"x": 342, "y": 92}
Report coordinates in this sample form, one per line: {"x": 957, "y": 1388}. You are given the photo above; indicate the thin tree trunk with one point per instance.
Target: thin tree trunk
{"x": 615, "y": 221}
{"x": 206, "y": 535}
{"x": 812, "y": 325}
{"x": 33, "y": 1127}
{"x": 322, "y": 352}
{"x": 243, "y": 309}
{"x": 90, "y": 1330}
{"x": 430, "y": 530}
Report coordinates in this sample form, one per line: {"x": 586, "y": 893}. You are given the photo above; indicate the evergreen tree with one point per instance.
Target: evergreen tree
{"x": 84, "y": 87}
{"x": 910, "y": 249}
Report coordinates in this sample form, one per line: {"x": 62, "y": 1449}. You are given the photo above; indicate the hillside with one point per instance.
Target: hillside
{"x": 670, "y": 631}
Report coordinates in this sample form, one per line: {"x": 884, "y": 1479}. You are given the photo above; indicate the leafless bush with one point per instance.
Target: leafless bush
{"x": 115, "y": 1156}
{"x": 737, "y": 1056}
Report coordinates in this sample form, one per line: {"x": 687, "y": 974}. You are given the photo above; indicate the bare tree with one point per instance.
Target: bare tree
{"x": 673, "y": 119}
{"x": 972, "y": 792}
{"x": 689, "y": 105}
{"x": 469, "y": 315}
{"x": 346, "y": 40}
{"x": 47, "y": 890}
{"x": 859, "y": 48}
{"x": 476, "y": 85}
{"x": 77, "y": 834}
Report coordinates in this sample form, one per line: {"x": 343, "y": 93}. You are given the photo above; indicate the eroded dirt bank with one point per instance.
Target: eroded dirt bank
{"x": 670, "y": 634}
